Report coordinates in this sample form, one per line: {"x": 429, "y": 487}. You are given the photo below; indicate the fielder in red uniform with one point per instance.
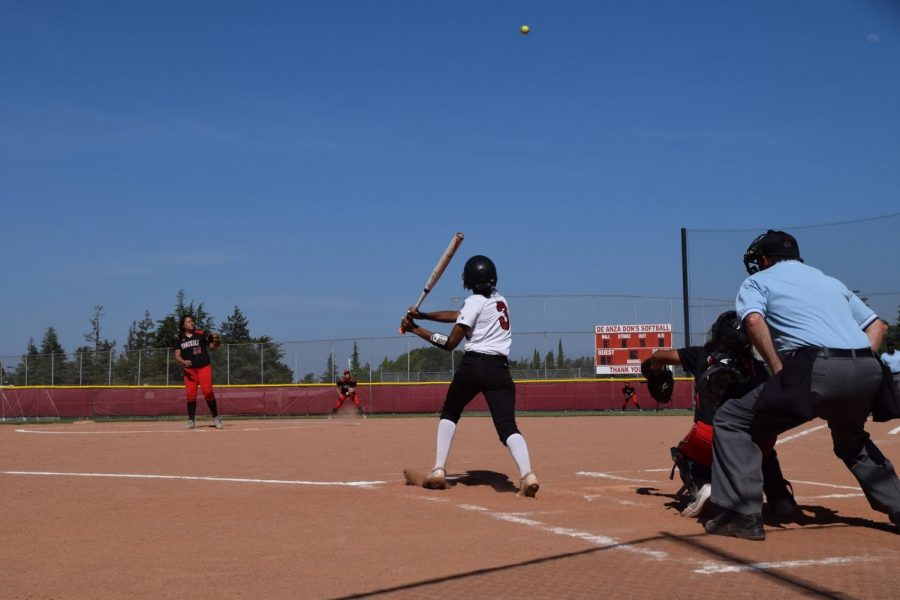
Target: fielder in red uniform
{"x": 192, "y": 352}
{"x": 630, "y": 395}
{"x": 346, "y": 390}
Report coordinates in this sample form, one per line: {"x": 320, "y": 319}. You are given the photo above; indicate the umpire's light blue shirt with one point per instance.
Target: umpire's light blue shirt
{"x": 804, "y": 307}
{"x": 892, "y": 361}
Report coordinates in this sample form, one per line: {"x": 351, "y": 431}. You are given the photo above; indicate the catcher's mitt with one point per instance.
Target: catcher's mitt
{"x": 660, "y": 384}
{"x": 215, "y": 340}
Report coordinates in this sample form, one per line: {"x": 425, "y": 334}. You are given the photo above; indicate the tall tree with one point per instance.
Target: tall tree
{"x": 549, "y": 361}
{"x": 274, "y": 369}
{"x": 536, "y": 360}
{"x": 328, "y": 374}
{"x": 93, "y": 336}
{"x": 138, "y": 363}
{"x": 354, "y": 360}
{"x": 24, "y": 368}
{"x": 145, "y": 331}
{"x": 236, "y": 328}
{"x": 50, "y": 343}
{"x": 560, "y": 357}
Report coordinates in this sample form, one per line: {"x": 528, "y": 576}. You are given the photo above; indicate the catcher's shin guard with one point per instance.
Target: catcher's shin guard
{"x": 683, "y": 465}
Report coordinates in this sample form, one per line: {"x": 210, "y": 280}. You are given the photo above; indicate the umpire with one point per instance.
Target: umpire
{"x": 818, "y": 338}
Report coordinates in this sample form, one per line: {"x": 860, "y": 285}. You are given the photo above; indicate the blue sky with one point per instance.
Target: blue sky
{"x": 308, "y": 161}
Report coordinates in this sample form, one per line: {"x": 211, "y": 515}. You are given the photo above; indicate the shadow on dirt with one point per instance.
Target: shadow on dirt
{"x": 499, "y": 482}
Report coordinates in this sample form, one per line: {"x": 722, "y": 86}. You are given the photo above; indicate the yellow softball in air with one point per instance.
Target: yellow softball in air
{"x": 525, "y": 29}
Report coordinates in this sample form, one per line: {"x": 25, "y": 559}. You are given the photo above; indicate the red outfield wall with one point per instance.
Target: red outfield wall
{"x": 312, "y": 399}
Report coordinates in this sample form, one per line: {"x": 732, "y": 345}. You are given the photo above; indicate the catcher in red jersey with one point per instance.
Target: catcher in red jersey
{"x": 346, "y": 390}
{"x": 192, "y": 348}
{"x": 724, "y": 368}
{"x": 484, "y": 322}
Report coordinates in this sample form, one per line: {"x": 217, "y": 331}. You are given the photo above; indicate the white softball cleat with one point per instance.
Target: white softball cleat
{"x": 436, "y": 480}
{"x": 529, "y": 485}
{"x": 699, "y": 502}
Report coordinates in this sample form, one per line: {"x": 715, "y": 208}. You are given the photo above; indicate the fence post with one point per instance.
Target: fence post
{"x": 140, "y": 353}
{"x": 52, "y": 368}
{"x": 109, "y": 369}
{"x": 227, "y": 364}
{"x": 261, "y": 376}
{"x": 167, "y": 368}
{"x": 26, "y": 369}
{"x": 81, "y": 368}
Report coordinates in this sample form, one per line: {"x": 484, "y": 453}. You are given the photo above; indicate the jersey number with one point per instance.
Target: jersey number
{"x": 504, "y": 315}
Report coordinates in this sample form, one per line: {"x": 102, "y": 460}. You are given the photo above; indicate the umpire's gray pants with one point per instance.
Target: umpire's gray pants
{"x": 842, "y": 392}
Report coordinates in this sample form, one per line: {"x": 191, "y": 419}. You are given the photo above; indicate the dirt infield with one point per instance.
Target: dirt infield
{"x": 318, "y": 509}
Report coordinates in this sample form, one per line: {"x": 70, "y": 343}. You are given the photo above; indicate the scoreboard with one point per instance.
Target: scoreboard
{"x": 620, "y": 349}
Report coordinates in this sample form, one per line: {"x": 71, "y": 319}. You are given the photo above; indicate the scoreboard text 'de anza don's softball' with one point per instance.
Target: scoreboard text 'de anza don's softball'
{"x": 620, "y": 349}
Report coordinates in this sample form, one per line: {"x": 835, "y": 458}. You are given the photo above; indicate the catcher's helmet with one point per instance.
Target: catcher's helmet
{"x": 480, "y": 275}
{"x": 727, "y": 334}
{"x": 777, "y": 245}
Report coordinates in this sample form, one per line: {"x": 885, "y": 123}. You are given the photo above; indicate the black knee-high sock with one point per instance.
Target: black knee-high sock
{"x": 212, "y": 407}
{"x": 192, "y": 410}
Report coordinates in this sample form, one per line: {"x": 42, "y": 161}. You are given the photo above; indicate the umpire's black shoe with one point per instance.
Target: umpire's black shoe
{"x": 730, "y": 523}
{"x": 781, "y": 503}
{"x": 895, "y": 519}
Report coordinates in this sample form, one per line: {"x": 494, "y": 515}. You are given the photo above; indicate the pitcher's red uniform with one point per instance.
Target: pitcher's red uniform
{"x": 196, "y": 349}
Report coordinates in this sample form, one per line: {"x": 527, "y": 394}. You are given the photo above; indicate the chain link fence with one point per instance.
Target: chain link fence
{"x": 553, "y": 338}
{"x": 566, "y": 326}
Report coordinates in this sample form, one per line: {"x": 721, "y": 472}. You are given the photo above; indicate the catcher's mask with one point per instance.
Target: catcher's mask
{"x": 775, "y": 245}
{"x": 480, "y": 275}
{"x": 727, "y": 334}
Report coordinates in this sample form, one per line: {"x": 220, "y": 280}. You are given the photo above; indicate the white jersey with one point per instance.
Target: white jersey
{"x": 487, "y": 320}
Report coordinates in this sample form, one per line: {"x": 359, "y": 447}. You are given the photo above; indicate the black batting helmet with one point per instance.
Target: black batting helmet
{"x": 480, "y": 275}
{"x": 777, "y": 245}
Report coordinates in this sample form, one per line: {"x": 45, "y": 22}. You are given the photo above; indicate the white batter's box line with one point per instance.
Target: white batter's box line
{"x": 356, "y": 484}
{"x": 832, "y": 496}
{"x": 799, "y": 434}
{"x": 714, "y": 568}
{"x": 595, "y": 539}
{"x": 828, "y": 485}
{"x": 600, "y": 475}
{"x": 203, "y": 428}
{"x": 894, "y": 431}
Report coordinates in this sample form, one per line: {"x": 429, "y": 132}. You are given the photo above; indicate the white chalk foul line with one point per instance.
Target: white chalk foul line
{"x": 823, "y": 496}
{"x": 894, "y": 431}
{"x": 599, "y": 475}
{"x": 828, "y": 485}
{"x": 358, "y": 484}
{"x": 597, "y": 540}
{"x": 788, "y": 438}
{"x": 183, "y": 430}
{"x": 713, "y": 568}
